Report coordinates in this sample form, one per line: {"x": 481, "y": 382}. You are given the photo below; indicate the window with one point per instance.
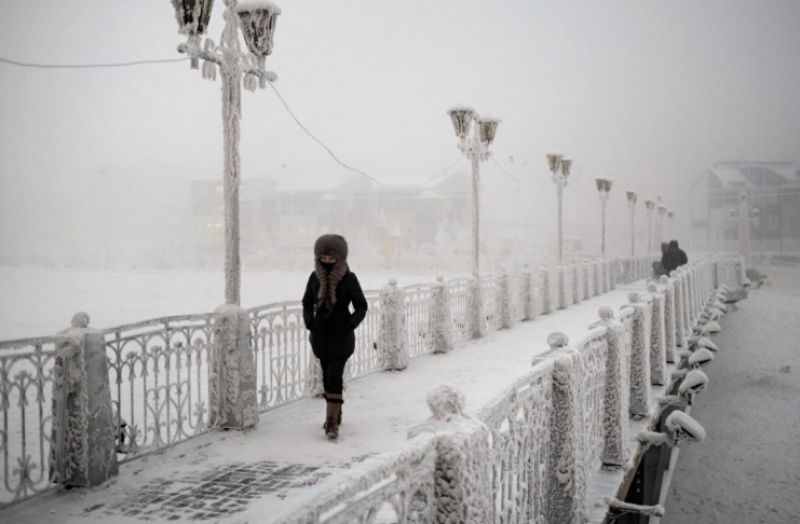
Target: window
{"x": 772, "y": 222}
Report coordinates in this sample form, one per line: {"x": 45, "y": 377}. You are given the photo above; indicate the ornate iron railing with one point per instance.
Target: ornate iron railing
{"x": 158, "y": 373}
{"x": 395, "y": 487}
{"x": 458, "y": 291}
{"x": 26, "y": 378}
{"x": 489, "y": 289}
{"x": 418, "y": 315}
{"x": 593, "y": 350}
{"x": 158, "y": 369}
{"x": 519, "y": 422}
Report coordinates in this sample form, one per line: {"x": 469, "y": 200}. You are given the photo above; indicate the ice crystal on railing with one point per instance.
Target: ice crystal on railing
{"x": 547, "y": 303}
{"x": 566, "y": 490}
{"x": 393, "y": 336}
{"x": 658, "y": 362}
{"x": 441, "y": 326}
{"x": 615, "y": 417}
{"x": 463, "y": 476}
{"x": 640, "y": 358}
{"x": 669, "y": 318}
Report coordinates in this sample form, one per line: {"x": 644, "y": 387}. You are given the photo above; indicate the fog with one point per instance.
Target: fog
{"x": 100, "y": 167}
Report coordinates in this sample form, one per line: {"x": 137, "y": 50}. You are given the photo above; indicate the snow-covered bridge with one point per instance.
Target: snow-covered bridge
{"x": 507, "y": 442}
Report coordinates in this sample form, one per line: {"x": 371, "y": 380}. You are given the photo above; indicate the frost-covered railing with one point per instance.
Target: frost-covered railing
{"x": 393, "y": 487}
{"x": 26, "y": 381}
{"x": 540, "y": 440}
{"x": 159, "y": 370}
{"x": 418, "y": 321}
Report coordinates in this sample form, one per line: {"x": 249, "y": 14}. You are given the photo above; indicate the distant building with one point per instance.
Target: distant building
{"x": 280, "y": 220}
{"x": 773, "y": 189}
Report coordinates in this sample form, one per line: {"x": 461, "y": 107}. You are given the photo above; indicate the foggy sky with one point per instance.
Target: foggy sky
{"x": 648, "y": 93}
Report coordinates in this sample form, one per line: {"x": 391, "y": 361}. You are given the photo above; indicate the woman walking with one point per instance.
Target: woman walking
{"x": 330, "y": 291}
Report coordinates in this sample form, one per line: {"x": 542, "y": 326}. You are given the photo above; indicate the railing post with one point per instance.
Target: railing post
{"x": 440, "y": 317}
{"x": 596, "y": 277}
{"x": 687, "y": 314}
{"x": 576, "y": 290}
{"x": 562, "y": 288}
{"x": 615, "y": 421}
{"x": 504, "y": 301}
{"x": 679, "y": 331}
{"x": 615, "y": 266}
{"x": 393, "y": 335}
{"x": 658, "y": 361}
{"x": 669, "y": 318}
{"x": 82, "y": 452}
{"x": 603, "y": 266}
{"x": 586, "y": 293}
{"x": 232, "y": 396}
{"x": 528, "y": 294}
{"x": 567, "y": 475}
{"x": 640, "y": 359}
{"x": 463, "y": 474}
{"x": 477, "y": 320}
{"x": 547, "y": 305}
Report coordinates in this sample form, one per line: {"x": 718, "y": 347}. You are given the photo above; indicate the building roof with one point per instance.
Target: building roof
{"x": 750, "y": 175}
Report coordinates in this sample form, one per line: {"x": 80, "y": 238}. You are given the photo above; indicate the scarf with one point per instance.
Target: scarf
{"x": 329, "y": 280}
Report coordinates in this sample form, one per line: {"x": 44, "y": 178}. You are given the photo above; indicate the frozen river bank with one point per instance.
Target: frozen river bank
{"x": 40, "y": 301}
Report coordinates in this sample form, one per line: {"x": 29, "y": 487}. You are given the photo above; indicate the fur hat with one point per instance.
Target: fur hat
{"x": 335, "y": 245}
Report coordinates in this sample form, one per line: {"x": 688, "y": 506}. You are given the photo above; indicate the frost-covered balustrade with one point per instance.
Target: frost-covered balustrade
{"x": 546, "y": 435}
{"x": 159, "y": 369}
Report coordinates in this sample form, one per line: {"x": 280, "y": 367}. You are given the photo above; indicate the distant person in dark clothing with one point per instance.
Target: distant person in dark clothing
{"x": 674, "y": 257}
{"x": 330, "y": 291}
{"x": 682, "y": 258}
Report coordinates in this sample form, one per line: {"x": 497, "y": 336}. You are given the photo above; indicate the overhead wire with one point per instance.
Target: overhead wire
{"x": 503, "y": 169}
{"x": 284, "y": 103}
{"x": 34, "y": 65}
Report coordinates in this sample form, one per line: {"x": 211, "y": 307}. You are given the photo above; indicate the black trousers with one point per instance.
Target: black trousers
{"x": 332, "y": 376}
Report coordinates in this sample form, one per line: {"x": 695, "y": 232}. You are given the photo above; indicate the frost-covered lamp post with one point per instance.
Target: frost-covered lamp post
{"x": 603, "y": 189}
{"x": 257, "y": 19}
{"x": 650, "y": 205}
{"x": 560, "y": 168}
{"x": 232, "y": 398}
{"x": 671, "y": 223}
{"x": 474, "y": 142}
{"x": 662, "y": 211}
{"x": 632, "y": 198}
{"x": 745, "y": 217}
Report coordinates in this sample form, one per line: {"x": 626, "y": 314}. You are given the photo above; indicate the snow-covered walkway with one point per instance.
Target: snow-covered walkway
{"x": 248, "y": 476}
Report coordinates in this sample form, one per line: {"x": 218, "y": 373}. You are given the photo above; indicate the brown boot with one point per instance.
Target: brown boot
{"x": 332, "y": 420}
{"x": 339, "y": 418}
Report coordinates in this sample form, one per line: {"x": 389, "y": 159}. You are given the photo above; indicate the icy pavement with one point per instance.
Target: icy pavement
{"x": 748, "y": 468}
{"x": 247, "y": 476}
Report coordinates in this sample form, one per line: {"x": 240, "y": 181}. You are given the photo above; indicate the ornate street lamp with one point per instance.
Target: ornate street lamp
{"x": 650, "y": 205}
{"x": 604, "y": 190}
{"x": 475, "y": 134}
{"x": 257, "y": 19}
{"x": 662, "y": 211}
{"x": 744, "y": 217}
{"x": 560, "y": 169}
{"x": 671, "y": 223}
{"x": 632, "y": 198}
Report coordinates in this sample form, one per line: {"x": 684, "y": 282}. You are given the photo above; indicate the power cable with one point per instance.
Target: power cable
{"x": 318, "y": 141}
{"x": 33, "y": 65}
{"x": 503, "y": 169}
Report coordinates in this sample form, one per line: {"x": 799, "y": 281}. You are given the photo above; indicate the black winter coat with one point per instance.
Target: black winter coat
{"x": 674, "y": 258}
{"x": 332, "y": 329}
